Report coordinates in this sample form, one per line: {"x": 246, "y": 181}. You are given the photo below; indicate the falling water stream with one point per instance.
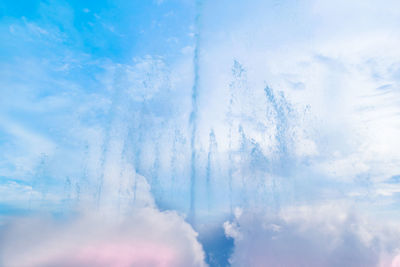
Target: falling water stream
{"x": 204, "y": 136}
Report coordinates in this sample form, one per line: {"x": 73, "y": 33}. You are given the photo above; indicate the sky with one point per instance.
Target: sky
{"x": 220, "y": 133}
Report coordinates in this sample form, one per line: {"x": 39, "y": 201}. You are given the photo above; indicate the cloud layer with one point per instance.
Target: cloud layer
{"x": 139, "y": 235}
{"x": 328, "y": 235}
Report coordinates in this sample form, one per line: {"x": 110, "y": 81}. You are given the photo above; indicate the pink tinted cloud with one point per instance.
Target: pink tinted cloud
{"x": 121, "y": 254}
{"x": 148, "y": 237}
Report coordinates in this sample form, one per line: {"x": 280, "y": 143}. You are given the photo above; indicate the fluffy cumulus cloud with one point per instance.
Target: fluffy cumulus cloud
{"x": 144, "y": 236}
{"x": 324, "y": 235}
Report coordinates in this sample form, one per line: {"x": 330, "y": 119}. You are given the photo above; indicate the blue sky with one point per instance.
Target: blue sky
{"x": 118, "y": 30}
{"x": 56, "y": 55}
{"x": 297, "y": 123}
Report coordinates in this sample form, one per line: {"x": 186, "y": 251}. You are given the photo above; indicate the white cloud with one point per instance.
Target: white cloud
{"x": 146, "y": 238}
{"x": 109, "y": 235}
{"x": 318, "y": 235}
